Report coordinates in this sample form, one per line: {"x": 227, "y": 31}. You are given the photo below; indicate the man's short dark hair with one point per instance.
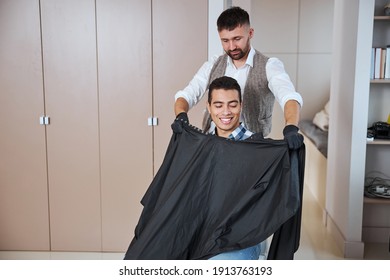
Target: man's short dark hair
{"x": 232, "y": 18}
{"x": 224, "y": 82}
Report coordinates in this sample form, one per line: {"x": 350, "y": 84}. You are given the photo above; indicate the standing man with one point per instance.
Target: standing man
{"x": 261, "y": 79}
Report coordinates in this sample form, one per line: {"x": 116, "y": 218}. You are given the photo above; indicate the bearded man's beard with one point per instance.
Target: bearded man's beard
{"x": 237, "y": 53}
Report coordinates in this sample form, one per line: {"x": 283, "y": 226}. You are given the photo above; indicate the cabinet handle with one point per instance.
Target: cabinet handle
{"x": 152, "y": 121}
{"x": 44, "y": 120}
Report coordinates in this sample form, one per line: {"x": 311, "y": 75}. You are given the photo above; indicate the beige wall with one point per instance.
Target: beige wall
{"x": 299, "y": 32}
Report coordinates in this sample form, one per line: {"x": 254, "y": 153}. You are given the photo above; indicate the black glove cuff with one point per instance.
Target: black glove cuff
{"x": 182, "y": 117}
{"x": 290, "y": 129}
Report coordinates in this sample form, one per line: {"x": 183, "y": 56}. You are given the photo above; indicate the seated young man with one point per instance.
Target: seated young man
{"x": 213, "y": 197}
{"x": 224, "y": 105}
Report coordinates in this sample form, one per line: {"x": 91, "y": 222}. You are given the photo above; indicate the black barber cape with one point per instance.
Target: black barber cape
{"x": 213, "y": 195}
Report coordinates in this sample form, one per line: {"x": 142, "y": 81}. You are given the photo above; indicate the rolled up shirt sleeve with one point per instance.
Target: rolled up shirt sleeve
{"x": 280, "y": 83}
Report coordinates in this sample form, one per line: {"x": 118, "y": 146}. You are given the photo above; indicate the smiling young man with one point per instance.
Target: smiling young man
{"x": 224, "y": 106}
{"x": 262, "y": 80}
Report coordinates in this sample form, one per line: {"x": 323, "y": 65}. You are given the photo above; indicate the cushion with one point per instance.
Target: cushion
{"x": 321, "y": 119}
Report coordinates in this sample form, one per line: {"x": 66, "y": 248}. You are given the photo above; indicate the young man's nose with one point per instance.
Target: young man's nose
{"x": 226, "y": 111}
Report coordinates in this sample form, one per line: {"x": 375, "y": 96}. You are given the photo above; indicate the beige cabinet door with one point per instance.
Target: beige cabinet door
{"x": 179, "y": 49}
{"x": 71, "y": 95}
{"x": 76, "y": 184}
{"x": 125, "y": 102}
{"x": 24, "y": 217}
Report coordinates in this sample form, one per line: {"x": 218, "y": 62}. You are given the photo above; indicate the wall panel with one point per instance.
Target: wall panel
{"x": 125, "y": 98}
{"x": 70, "y": 74}
{"x": 24, "y": 222}
{"x": 179, "y": 50}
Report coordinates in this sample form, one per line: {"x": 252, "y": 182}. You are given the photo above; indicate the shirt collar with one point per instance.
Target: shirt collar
{"x": 240, "y": 133}
{"x": 249, "y": 59}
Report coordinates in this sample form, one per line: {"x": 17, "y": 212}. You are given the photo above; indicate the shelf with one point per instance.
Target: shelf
{"x": 380, "y": 81}
{"x": 378, "y": 142}
{"x": 381, "y": 18}
{"x": 368, "y": 200}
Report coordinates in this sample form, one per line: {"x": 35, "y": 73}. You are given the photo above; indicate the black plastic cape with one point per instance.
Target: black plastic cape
{"x": 213, "y": 195}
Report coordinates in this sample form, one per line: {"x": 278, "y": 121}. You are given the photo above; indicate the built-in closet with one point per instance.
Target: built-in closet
{"x": 86, "y": 102}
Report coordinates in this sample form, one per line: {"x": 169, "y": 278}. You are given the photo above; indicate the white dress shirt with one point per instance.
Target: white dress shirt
{"x": 278, "y": 80}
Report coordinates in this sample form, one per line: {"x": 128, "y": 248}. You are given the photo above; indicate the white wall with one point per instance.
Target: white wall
{"x": 348, "y": 116}
{"x": 214, "y": 45}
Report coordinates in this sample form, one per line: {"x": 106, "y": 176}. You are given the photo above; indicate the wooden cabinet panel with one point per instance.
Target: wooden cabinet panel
{"x": 24, "y": 223}
{"x": 125, "y": 98}
{"x": 70, "y": 75}
{"x": 76, "y": 184}
{"x": 179, "y": 50}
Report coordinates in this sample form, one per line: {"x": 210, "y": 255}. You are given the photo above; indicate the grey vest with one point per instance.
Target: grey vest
{"x": 258, "y": 100}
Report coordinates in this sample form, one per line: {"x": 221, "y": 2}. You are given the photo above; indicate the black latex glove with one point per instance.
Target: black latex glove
{"x": 293, "y": 138}
{"x": 177, "y": 125}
